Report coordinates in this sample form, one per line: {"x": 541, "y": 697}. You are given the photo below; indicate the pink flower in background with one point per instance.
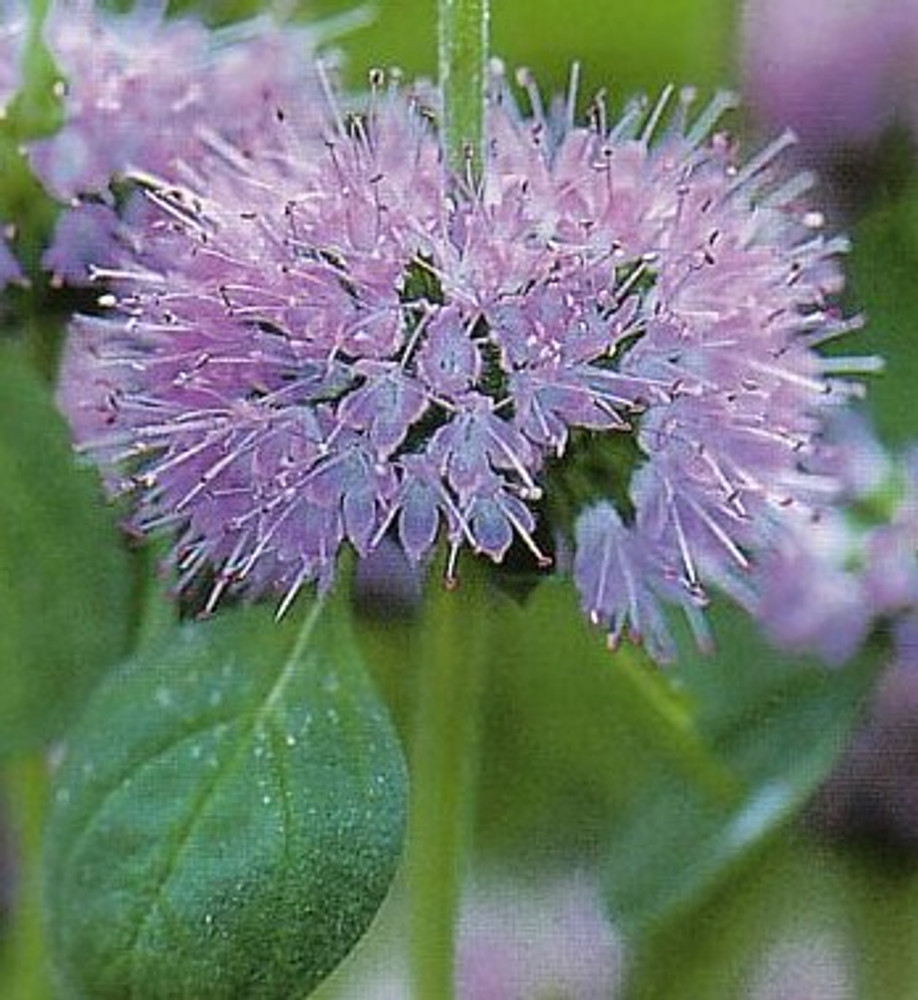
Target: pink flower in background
{"x": 548, "y": 940}
{"x": 838, "y": 72}
{"x": 547, "y": 937}
{"x": 829, "y": 582}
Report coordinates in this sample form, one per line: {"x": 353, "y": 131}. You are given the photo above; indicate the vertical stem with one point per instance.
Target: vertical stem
{"x": 25, "y": 970}
{"x": 463, "y": 33}
{"x": 452, "y": 649}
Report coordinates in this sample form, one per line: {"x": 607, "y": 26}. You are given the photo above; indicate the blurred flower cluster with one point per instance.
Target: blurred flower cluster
{"x": 830, "y": 582}
{"x": 840, "y": 72}
{"x": 843, "y": 75}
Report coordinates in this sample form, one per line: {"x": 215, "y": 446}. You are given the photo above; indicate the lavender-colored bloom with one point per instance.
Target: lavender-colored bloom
{"x": 89, "y": 236}
{"x": 625, "y": 579}
{"x": 812, "y": 599}
{"x": 838, "y": 71}
{"x": 320, "y": 343}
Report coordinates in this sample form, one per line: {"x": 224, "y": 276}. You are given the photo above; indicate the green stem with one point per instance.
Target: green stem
{"x": 25, "y": 971}
{"x": 463, "y": 34}
{"x": 452, "y": 648}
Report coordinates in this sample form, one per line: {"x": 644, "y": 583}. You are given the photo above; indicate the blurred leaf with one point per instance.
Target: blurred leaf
{"x": 882, "y": 272}
{"x": 229, "y": 813}
{"x": 779, "y": 725}
{"x": 678, "y": 779}
{"x": 64, "y": 580}
{"x": 575, "y": 731}
{"x": 779, "y": 910}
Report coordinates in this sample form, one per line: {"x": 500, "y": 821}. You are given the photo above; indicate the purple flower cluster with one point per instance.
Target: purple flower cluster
{"x": 832, "y": 578}
{"x": 140, "y": 91}
{"x": 319, "y": 337}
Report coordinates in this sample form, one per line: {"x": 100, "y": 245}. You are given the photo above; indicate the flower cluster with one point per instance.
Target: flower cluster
{"x": 316, "y": 339}
{"x": 140, "y": 91}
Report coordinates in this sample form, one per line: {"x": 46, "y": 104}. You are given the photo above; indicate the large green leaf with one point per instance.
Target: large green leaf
{"x": 228, "y": 816}
{"x": 64, "y": 580}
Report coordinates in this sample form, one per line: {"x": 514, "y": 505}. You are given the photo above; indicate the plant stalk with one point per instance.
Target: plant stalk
{"x": 452, "y": 651}
{"x": 463, "y": 55}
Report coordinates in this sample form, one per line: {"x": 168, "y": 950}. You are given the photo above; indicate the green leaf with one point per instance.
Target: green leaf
{"x": 228, "y": 816}
{"x": 64, "y": 580}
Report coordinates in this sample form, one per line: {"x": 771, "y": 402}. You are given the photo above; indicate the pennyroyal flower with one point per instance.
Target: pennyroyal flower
{"x": 315, "y": 341}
